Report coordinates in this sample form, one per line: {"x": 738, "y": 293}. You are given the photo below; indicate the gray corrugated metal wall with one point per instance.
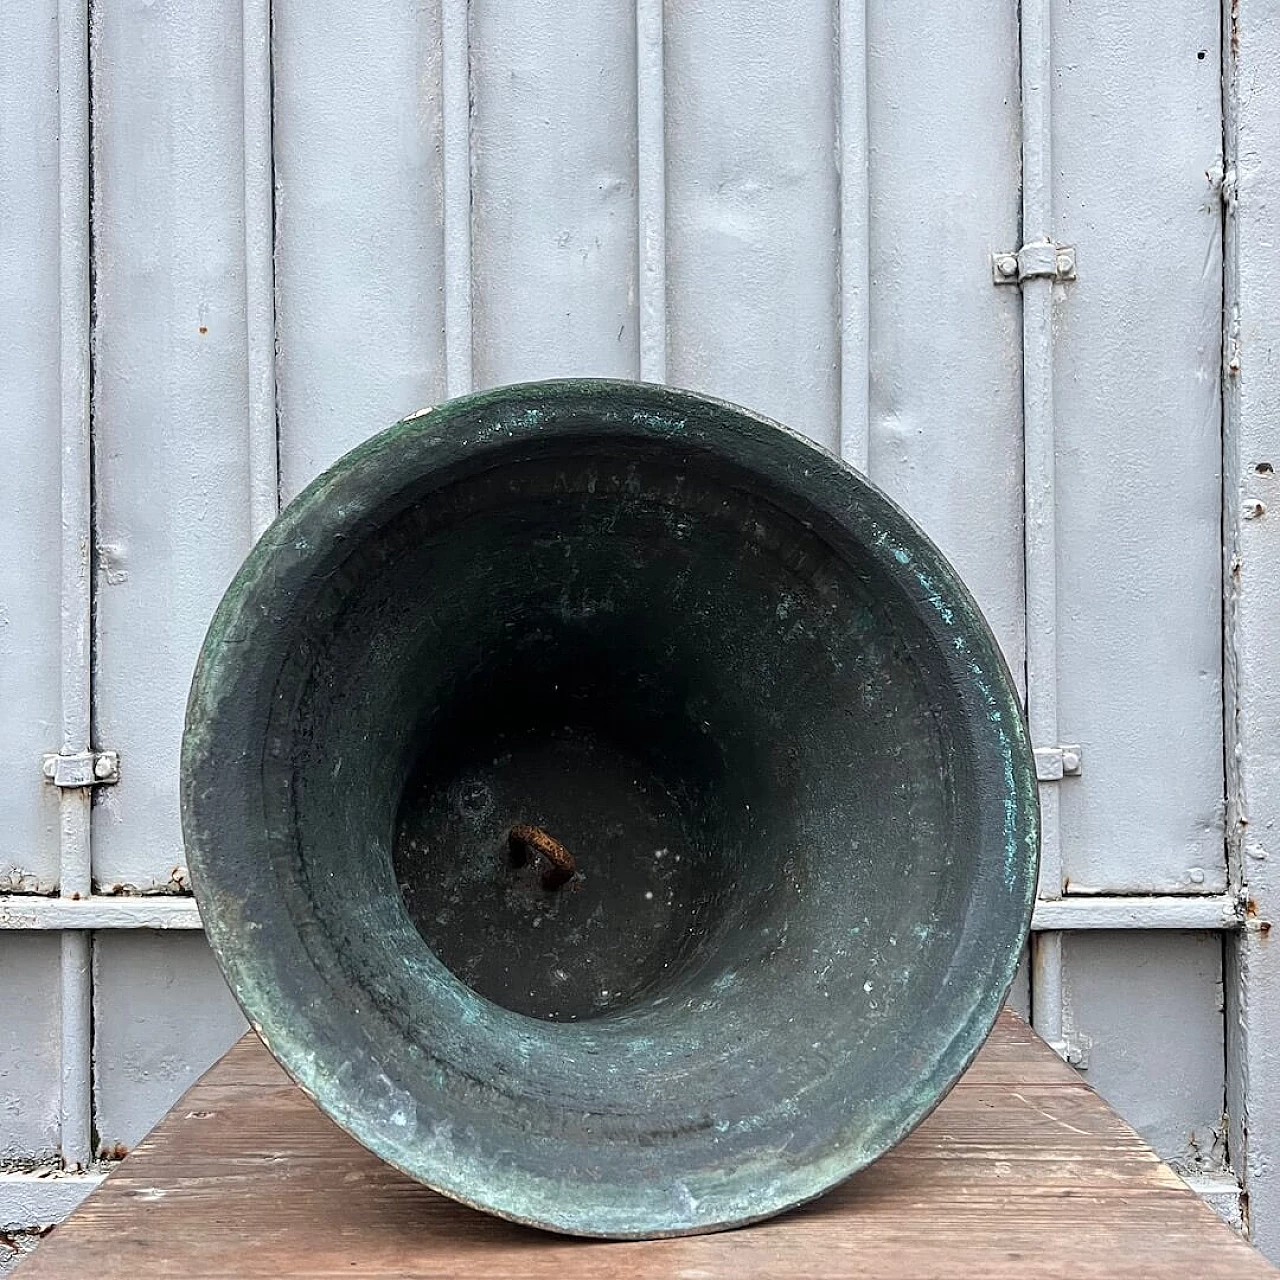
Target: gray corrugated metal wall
{"x": 793, "y": 207}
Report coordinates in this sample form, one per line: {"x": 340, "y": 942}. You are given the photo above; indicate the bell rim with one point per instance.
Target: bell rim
{"x": 237, "y": 959}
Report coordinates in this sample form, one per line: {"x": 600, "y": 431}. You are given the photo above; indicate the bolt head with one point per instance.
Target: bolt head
{"x": 1065, "y": 264}
{"x": 1007, "y": 265}
{"x": 103, "y": 767}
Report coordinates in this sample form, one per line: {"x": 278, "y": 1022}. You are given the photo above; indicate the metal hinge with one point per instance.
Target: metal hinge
{"x": 82, "y": 768}
{"x": 1039, "y": 259}
{"x": 1055, "y": 763}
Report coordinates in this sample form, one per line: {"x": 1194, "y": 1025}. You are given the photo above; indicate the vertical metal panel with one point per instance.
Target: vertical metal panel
{"x": 29, "y": 1012}
{"x": 75, "y": 867}
{"x": 29, "y": 374}
{"x": 554, "y": 189}
{"x": 171, "y": 395}
{"x": 753, "y": 209}
{"x": 854, "y": 144}
{"x": 147, "y": 1045}
{"x": 945, "y": 367}
{"x": 1039, "y": 499}
{"x": 1137, "y": 125}
{"x": 1252, "y": 522}
{"x": 1153, "y": 1042}
{"x": 455, "y": 128}
{"x": 259, "y": 265}
{"x": 359, "y": 256}
{"x": 651, "y": 188}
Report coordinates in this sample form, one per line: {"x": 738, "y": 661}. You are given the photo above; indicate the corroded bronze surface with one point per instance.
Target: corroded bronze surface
{"x": 610, "y": 808}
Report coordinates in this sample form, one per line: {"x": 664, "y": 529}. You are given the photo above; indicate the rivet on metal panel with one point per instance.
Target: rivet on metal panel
{"x": 82, "y": 769}
{"x": 1055, "y": 763}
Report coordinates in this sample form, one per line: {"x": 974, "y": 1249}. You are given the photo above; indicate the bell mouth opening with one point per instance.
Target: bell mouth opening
{"x": 625, "y": 728}
{"x": 509, "y": 670}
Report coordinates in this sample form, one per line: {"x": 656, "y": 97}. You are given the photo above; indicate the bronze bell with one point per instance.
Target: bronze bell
{"x": 610, "y": 808}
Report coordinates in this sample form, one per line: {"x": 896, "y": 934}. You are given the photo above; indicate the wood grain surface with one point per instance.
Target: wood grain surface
{"x": 1022, "y": 1171}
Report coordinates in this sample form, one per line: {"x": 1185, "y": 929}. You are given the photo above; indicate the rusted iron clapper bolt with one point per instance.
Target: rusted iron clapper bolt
{"x": 525, "y": 840}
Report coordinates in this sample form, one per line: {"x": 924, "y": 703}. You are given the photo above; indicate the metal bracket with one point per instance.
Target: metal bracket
{"x": 1055, "y": 763}
{"x": 1037, "y": 260}
{"x": 82, "y": 768}
{"x": 1073, "y": 1051}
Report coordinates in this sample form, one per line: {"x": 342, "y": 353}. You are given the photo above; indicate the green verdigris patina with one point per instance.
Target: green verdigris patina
{"x": 610, "y": 808}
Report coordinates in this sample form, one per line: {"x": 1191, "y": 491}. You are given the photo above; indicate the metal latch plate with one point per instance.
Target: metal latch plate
{"x": 82, "y": 769}
{"x": 1055, "y": 763}
{"x": 1037, "y": 260}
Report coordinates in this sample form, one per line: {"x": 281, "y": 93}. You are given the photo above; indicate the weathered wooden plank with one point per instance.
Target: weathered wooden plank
{"x": 1018, "y": 1173}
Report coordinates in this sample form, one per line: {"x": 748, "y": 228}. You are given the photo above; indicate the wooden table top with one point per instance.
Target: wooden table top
{"x": 1022, "y": 1171}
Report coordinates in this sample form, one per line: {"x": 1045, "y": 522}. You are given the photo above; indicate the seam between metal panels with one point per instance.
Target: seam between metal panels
{"x": 456, "y": 108}
{"x": 1238, "y": 953}
{"x": 651, "y": 189}
{"x": 1223, "y": 911}
{"x": 75, "y": 865}
{"x": 853, "y": 259}
{"x": 259, "y": 263}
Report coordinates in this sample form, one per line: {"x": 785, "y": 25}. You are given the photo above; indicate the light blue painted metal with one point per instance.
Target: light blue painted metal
{"x": 75, "y": 541}
{"x": 1138, "y": 122}
{"x": 651, "y": 189}
{"x": 1039, "y": 496}
{"x": 1171, "y": 994}
{"x": 359, "y": 238}
{"x": 149, "y": 1047}
{"x": 553, "y": 199}
{"x": 945, "y": 365}
{"x": 29, "y": 1051}
{"x": 1251, "y": 194}
{"x": 29, "y": 483}
{"x": 854, "y": 153}
{"x": 259, "y": 265}
{"x": 753, "y": 210}
{"x": 171, "y": 395}
{"x": 455, "y": 92}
